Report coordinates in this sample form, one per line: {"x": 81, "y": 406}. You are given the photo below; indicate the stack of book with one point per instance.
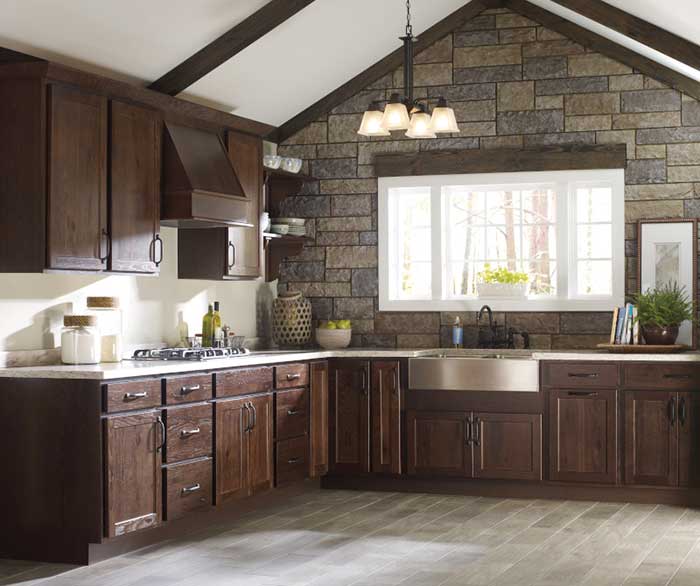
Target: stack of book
{"x": 625, "y": 327}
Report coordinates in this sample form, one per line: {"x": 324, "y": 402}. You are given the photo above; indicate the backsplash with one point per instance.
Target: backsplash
{"x": 513, "y": 84}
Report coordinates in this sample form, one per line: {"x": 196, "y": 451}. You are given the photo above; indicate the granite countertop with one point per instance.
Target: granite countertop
{"x": 134, "y": 368}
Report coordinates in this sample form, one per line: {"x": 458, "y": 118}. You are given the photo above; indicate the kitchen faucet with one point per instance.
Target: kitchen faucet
{"x": 495, "y": 336}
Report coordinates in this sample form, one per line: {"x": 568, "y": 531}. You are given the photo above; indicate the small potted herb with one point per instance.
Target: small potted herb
{"x": 501, "y": 282}
{"x": 661, "y": 311}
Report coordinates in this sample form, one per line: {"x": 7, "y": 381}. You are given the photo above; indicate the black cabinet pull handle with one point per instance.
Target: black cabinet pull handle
{"x": 232, "y": 249}
{"x": 294, "y": 460}
{"x": 477, "y": 432}
{"x": 162, "y": 429}
{"x": 672, "y": 410}
{"x": 677, "y": 376}
{"x": 583, "y": 375}
{"x": 105, "y": 235}
{"x": 363, "y": 389}
{"x": 158, "y": 245}
{"x": 468, "y": 431}
{"x": 583, "y": 394}
{"x": 255, "y": 416}
{"x": 246, "y": 417}
{"x": 682, "y": 411}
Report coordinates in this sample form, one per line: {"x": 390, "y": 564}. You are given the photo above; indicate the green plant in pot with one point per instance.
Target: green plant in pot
{"x": 661, "y": 311}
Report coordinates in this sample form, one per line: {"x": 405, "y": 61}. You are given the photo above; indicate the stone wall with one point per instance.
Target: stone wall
{"x": 512, "y": 83}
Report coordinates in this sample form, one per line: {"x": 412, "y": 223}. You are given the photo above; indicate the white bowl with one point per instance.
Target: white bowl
{"x": 279, "y": 229}
{"x": 289, "y": 221}
{"x": 333, "y": 339}
{"x": 272, "y": 161}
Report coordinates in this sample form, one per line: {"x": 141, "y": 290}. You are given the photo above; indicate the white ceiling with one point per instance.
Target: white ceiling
{"x": 297, "y": 63}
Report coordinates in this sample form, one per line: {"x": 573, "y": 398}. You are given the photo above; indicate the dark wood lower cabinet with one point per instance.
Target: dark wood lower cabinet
{"x": 507, "y": 446}
{"x": 385, "y": 392}
{"x": 438, "y": 443}
{"x": 260, "y": 463}
{"x": 688, "y": 440}
{"x": 583, "y": 436}
{"x": 318, "y": 419}
{"x": 349, "y": 422}
{"x": 133, "y": 472}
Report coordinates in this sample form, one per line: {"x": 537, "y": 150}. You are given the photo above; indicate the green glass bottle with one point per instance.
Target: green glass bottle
{"x": 216, "y": 331}
{"x": 207, "y": 328}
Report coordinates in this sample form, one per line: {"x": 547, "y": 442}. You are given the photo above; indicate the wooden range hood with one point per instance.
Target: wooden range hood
{"x": 200, "y": 186}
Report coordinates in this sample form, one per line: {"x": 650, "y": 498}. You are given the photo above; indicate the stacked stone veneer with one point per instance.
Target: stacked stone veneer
{"x": 513, "y": 84}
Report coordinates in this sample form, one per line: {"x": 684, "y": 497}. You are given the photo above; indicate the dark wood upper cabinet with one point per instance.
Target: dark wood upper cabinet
{"x": 438, "y": 443}
{"x": 651, "y": 438}
{"x": 77, "y": 180}
{"x": 229, "y": 252}
{"x": 132, "y": 473}
{"x": 507, "y": 446}
{"x": 583, "y": 436}
{"x": 135, "y": 142}
{"x": 349, "y": 421}
{"x": 318, "y": 422}
{"x": 386, "y": 417}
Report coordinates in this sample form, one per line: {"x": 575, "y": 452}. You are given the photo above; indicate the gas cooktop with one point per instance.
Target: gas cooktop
{"x": 189, "y": 353}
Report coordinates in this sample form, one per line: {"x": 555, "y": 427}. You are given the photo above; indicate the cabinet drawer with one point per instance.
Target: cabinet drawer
{"x": 244, "y": 381}
{"x": 189, "y": 433}
{"x": 660, "y": 376}
{"x": 289, "y": 376}
{"x": 572, "y": 375}
{"x": 292, "y": 460}
{"x": 188, "y": 487}
{"x": 132, "y": 395}
{"x": 292, "y": 413}
{"x": 188, "y": 389}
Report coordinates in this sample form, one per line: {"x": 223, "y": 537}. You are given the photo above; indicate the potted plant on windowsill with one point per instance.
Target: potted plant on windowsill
{"x": 501, "y": 282}
{"x": 661, "y": 312}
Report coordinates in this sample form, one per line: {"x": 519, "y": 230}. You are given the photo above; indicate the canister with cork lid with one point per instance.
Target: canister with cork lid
{"x": 80, "y": 340}
{"x": 110, "y": 323}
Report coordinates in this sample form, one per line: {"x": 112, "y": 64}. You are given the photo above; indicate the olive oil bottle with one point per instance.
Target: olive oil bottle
{"x": 208, "y": 328}
{"x": 216, "y": 327}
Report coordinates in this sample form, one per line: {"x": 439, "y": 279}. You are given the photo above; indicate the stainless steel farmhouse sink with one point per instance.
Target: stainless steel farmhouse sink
{"x": 452, "y": 370}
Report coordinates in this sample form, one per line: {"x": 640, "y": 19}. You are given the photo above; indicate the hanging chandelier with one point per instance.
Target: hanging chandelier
{"x": 404, "y": 112}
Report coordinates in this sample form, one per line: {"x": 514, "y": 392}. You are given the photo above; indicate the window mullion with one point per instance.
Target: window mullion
{"x": 437, "y": 280}
{"x": 565, "y": 228}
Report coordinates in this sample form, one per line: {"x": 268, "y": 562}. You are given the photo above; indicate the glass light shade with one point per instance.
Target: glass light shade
{"x": 372, "y": 124}
{"x": 395, "y": 115}
{"x": 443, "y": 119}
{"x": 420, "y": 126}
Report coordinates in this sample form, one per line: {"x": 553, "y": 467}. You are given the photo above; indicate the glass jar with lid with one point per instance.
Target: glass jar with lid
{"x": 110, "y": 323}
{"x": 80, "y": 340}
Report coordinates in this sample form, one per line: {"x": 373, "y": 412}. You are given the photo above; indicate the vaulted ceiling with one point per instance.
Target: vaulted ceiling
{"x": 289, "y": 68}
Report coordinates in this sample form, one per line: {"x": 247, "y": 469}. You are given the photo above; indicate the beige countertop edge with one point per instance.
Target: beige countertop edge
{"x": 135, "y": 369}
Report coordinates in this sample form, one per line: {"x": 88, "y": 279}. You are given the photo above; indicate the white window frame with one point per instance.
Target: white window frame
{"x": 566, "y": 299}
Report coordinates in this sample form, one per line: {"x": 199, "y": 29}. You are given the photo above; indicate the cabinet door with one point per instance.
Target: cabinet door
{"x": 134, "y": 189}
{"x": 688, "y": 440}
{"x": 438, "y": 443}
{"x": 132, "y": 473}
{"x": 386, "y": 417}
{"x": 260, "y": 463}
{"x": 318, "y": 432}
{"x": 583, "y": 436}
{"x": 77, "y": 181}
{"x": 651, "y": 438}
{"x": 232, "y": 422}
{"x": 507, "y": 445}
{"x": 244, "y": 244}
{"x": 349, "y": 407}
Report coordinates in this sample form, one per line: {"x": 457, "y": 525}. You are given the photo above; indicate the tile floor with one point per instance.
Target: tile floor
{"x": 338, "y": 538}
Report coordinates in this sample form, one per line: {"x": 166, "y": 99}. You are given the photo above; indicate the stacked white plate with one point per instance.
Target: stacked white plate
{"x": 296, "y": 225}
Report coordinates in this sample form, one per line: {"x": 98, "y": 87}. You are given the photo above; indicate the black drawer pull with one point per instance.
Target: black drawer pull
{"x": 583, "y": 375}
{"x": 678, "y": 376}
{"x": 294, "y": 460}
{"x": 583, "y": 394}
{"x": 186, "y": 390}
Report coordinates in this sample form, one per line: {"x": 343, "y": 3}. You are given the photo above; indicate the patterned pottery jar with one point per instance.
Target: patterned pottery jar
{"x": 291, "y": 319}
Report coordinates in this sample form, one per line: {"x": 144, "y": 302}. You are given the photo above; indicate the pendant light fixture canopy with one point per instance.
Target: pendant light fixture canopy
{"x": 372, "y": 122}
{"x": 419, "y": 124}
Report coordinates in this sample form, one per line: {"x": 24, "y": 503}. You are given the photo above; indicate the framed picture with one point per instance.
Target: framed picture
{"x": 667, "y": 253}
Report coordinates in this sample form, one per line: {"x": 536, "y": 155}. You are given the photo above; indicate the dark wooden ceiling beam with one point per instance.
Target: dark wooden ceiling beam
{"x": 607, "y": 47}
{"x": 635, "y": 28}
{"x": 381, "y": 68}
{"x": 227, "y": 45}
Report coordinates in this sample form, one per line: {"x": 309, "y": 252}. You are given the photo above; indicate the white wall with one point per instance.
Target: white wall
{"x": 32, "y": 306}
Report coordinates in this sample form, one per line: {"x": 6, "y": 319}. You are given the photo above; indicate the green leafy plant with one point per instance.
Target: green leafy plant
{"x": 666, "y": 306}
{"x": 501, "y": 275}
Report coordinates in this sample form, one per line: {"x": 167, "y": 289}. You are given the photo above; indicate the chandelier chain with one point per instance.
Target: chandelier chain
{"x": 409, "y": 26}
